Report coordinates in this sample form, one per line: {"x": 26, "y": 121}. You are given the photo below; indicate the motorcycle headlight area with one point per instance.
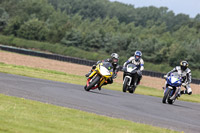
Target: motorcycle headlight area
{"x": 104, "y": 71}
{"x": 174, "y": 80}
{"x": 130, "y": 69}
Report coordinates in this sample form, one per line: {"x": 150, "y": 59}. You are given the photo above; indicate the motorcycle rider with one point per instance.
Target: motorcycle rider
{"x": 186, "y": 75}
{"x": 138, "y": 61}
{"x": 114, "y": 61}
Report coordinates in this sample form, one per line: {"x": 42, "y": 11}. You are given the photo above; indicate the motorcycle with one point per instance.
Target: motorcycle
{"x": 130, "y": 78}
{"x": 173, "y": 88}
{"x": 99, "y": 76}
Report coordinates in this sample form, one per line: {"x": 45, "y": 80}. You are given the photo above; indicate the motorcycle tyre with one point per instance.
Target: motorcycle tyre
{"x": 95, "y": 81}
{"x": 166, "y": 95}
{"x": 132, "y": 90}
{"x": 125, "y": 85}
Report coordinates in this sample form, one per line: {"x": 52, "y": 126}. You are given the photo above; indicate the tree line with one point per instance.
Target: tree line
{"x": 101, "y": 25}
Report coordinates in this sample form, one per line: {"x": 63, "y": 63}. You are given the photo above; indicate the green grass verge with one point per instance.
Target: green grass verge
{"x": 27, "y": 116}
{"x": 81, "y": 80}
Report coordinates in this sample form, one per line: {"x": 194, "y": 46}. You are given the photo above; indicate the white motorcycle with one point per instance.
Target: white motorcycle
{"x": 130, "y": 78}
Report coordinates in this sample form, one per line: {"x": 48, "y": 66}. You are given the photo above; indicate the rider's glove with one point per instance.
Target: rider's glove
{"x": 94, "y": 66}
{"x": 139, "y": 72}
{"x": 114, "y": 76}
{"x": 123, "y": 69}
{"x": 165, "y": 76}
{"x": 125, "y": 64}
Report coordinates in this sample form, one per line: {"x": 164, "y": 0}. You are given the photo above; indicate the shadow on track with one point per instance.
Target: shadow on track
{"x": 180, "y": 106}
{"x": 102, "y": 93}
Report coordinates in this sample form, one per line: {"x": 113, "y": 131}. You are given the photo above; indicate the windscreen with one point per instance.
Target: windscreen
{"x": 132, "y": 66}
{"x": 108, "y": 65}
{"x": 175, "y": 74}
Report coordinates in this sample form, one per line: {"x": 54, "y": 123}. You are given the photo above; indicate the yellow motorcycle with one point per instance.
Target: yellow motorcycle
{"x": 99, "y": 76}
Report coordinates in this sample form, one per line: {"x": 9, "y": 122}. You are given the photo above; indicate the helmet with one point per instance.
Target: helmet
{"x": 138, "y": 55}
{"x": 184, "y": 65}
{"x": 115, "y": 58}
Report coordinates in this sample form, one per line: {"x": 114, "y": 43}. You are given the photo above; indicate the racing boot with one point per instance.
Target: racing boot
{"x": 105, "y": 83}
{"x": 99, "y": 88}
{"x": 183, "y": 92}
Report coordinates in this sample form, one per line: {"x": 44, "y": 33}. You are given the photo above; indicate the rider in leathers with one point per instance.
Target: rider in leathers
{"x": 114, "y": 61}
{"x": 185, "y": 73}
{"x": 138, "y": 61}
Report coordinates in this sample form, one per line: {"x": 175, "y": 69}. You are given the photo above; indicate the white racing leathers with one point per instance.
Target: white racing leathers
{"x": 187, "y": 78}
{"x": 139, "y": 63}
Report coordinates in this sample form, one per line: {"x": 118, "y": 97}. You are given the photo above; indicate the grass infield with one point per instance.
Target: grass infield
{"x": 27, "y": 116}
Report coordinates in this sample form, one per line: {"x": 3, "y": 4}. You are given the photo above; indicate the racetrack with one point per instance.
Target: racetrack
{"x": 182, "y": 116}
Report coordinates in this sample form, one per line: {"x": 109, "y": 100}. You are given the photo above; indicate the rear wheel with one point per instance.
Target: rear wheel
{"x": 125, "y": 86}
{"x": 132, "y": 90}
{"x": 166, "y": 95}
{"x": 94, "y": 82}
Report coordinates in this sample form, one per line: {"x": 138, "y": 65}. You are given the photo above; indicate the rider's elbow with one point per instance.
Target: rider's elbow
{"x": 142, "y": 68}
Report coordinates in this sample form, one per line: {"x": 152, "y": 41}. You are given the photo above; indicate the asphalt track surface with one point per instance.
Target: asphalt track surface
{"x": 181, "y": 116}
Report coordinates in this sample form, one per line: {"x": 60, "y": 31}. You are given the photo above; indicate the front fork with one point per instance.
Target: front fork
{"x": 176, "y": 93}
{"x": 129, "y": 82}
{"x": 102, "y": 80}
{"x": 92, "y": 74}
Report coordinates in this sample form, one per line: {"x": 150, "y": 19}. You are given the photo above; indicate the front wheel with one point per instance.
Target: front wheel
{"x": 91, "y": 84}
{"x": 125, "y": 84}
{"x": 166, "y": 95}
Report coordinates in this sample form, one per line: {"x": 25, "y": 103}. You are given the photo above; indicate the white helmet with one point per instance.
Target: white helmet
{"x": 115, "y": 58}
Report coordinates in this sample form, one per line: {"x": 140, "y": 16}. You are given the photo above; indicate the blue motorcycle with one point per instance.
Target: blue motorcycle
{"x": 173, "y": 88}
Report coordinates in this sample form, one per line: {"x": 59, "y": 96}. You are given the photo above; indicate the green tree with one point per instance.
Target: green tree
{"x": 93, "y": 40}
{"x": 40, "y": 9}
{"x": 13, "y": 25}
{"x": 33, "y": 29}
{"x": 72, "y": 38}
{"x": 177, "y": 53}
{"x": 4, "y": 16}
{"x": 101, "y": 25}
{"x": 58, "y": 23}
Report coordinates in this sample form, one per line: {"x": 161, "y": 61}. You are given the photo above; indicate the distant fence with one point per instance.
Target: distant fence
{"x": 73, "y": 60}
